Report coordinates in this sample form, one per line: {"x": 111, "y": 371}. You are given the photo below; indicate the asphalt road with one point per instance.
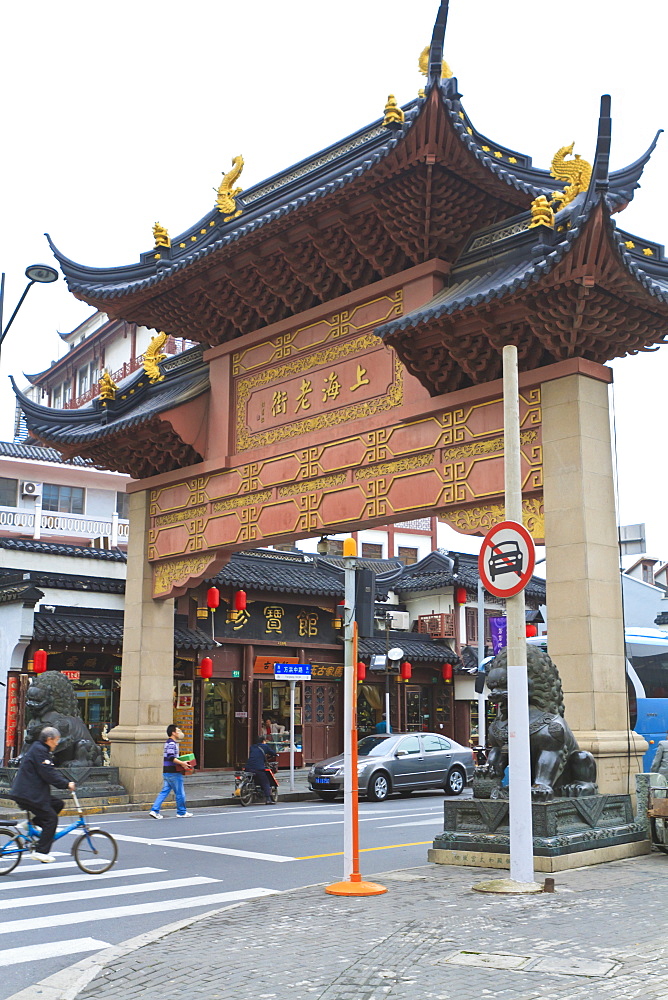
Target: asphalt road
{"x": 54, "y": 915}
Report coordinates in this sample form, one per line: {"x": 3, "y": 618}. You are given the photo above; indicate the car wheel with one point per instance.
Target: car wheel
{"x": 327, "y": 796}
{"x": 379, "y": 787}
{"x": 454, "y": 783}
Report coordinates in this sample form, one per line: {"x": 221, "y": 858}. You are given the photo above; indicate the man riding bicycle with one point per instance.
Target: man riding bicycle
{"x": 31, "y": 789}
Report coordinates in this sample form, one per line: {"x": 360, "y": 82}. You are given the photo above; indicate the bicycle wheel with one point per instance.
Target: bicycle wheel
{"x": 11, "y": 849}
{"x": 95, "y": 852}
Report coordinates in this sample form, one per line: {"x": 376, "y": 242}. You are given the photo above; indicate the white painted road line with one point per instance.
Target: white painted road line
{"x": 174, "y": 905}
{"x": 50, "y": 899}
{"x": 255, "y": 855}
{"x": 54, "y": 949}
{"x": 294, "y": 826}
{"x": 46, "y": 883}
{"x": 423, "y": 822}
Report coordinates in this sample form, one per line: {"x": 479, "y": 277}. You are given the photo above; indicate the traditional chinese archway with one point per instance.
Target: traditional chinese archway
{"x": 352, "y": 312}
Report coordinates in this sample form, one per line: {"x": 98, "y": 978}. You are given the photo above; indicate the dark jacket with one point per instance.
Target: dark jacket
{"x": 257, "y": 757}
{"x": 36, "y": 773}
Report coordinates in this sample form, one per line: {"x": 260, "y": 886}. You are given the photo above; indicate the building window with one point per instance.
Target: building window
{"x": 123, "y": 505}
{"x": 8, "y": 492}
{"x": 55, "y": 398}
{"x": 407, "y": 555}
{"x": 371, "y": 551}
{"x": 67, "y": 392}
{"x": 64, "y": 499}
{"x": 83, "y": 380}
{"x": 335, "y": 546}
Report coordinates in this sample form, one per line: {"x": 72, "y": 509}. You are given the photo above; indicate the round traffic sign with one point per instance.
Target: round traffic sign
{"x": 507, "y": 558}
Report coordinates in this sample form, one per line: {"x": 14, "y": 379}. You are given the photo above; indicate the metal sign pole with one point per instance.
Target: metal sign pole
{"x": 521, "y": 833}
{"x": 292, "y": 734}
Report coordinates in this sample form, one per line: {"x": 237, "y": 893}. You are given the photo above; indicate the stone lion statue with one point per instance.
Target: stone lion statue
{"x": 52, "y": 701}
{"x": 558, "y": 766}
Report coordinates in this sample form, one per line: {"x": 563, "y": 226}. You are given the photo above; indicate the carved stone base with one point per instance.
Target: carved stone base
{"x": 99, "y": 783}
{"x": 561, "y": 827}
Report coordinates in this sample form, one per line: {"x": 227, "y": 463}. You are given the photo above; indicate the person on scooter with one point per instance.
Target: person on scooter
{"x": 260, "y": 752}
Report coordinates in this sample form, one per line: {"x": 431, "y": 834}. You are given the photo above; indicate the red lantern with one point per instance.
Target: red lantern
{"x": 361, "y": 671}
{"x": 406, "y": 670}
{"x": 212, "y": 598}
{"x": 447, "y": 673}
{"x": 240, "y": 600}
{"x": 206, "y": 668}
{"x": 460, "y": 595}
{"x": 532, "y": 630}
{"x": 39, "y": 661}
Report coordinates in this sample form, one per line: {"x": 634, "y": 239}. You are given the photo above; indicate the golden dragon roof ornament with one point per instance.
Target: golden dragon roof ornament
{"x": 423, "y": 65}
{"x": 107, "y": 386}
{"x": 576, "y": 171}
{"x": 153, "y": 356}
{"x": 161, "y": 236}
{"x": 394, "y": 116}
{"x": 226, "y": 193}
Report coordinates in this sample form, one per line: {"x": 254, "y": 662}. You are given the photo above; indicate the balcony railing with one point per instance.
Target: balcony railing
{"x": 36, "y": 521}
{"x": 440, "y": 626}
{"x": 126, "y": 369}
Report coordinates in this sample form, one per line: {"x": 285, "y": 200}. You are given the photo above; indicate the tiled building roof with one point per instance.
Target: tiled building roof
{"x": 417, "y": 649}
{"x": 102, "y": 627}
{"x": 60, "y": 549}
{"x": 37, "y": 453}
{"x": 458, "y": 569}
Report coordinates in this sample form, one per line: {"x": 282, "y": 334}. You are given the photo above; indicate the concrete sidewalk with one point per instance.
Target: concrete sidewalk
{"x": 600, "y": 936}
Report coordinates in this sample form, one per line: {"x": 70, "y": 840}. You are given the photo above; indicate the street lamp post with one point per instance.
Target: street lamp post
{"x": 37, "y": 273}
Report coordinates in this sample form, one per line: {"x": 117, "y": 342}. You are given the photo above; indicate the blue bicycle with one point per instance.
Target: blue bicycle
{"x": 95, "y": 851}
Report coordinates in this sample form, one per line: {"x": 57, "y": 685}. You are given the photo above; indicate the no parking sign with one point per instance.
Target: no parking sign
{"x": 507, "y": 558}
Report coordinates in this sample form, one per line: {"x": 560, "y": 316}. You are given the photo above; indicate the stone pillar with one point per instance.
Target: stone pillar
{"x": 584, "y": 601}
{"x": 147, "y": 679}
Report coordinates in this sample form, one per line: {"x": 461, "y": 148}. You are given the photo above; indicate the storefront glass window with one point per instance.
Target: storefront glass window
{"x": 276, "y": 714}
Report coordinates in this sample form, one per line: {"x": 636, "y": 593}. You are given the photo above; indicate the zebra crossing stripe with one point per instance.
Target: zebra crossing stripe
{"x": 50, "y": 898}
{"x": 46, "y": 883}
{"x": 205, "y": 848}
{"x": 119, "y": 912}
{"x": 54, "y": 949}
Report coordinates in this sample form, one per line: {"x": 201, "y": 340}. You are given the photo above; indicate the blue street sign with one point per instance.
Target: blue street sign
{"x": 292, "y": 671}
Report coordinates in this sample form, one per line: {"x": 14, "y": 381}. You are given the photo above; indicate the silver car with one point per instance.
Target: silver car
{"x": 398, "y": 762}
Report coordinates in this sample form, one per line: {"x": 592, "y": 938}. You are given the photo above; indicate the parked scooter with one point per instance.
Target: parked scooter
{"x": 248, "y": 789}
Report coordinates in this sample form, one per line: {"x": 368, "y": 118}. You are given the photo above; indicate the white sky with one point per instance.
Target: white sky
{"x": 118, "y": 115}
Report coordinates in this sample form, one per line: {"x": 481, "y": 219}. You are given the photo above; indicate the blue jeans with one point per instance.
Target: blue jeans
{"x": 171, "y": 783}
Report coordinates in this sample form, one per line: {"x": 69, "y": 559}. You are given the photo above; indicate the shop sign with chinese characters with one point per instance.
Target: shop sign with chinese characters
{"x": 284, "y": 622}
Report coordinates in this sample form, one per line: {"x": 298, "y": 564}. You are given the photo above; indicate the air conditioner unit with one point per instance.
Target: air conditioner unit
{"x": 400, "y": 620}
{"x": 31, "y": 489}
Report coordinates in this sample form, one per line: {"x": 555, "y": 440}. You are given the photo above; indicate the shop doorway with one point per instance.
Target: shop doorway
{"x": 217, "y": 724}
{"x": 322, "y": 708}
{"x": 419, "y": 708}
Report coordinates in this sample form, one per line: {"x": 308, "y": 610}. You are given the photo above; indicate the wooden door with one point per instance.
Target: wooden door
{"x": 322, "y": 730}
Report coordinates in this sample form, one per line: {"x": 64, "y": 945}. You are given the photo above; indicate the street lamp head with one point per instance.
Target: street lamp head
{"x": 323, "y": 545}
{"x": 42, "y": 273}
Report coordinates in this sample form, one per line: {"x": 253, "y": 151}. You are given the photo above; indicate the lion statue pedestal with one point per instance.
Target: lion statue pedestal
{"x": 572, "y": 824}
{"x": 52, "y": 701}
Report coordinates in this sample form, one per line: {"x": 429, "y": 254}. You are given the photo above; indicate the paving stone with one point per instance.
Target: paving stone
{"x": 590, "y": 940}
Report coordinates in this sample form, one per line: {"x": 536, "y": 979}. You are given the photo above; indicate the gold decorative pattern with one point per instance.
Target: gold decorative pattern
{"x": 179, "y": 516}
{"x": 394, "y": 396}
{"x": 153, "y": 357}
{"x": 576, "y": 171}
{"x": 234, "y": 502}
{"x": 478, "y": 520}
{"x": 179, "y": 571}
{"x": 161, "y": 236}
{"x": 195, "y": 529}
{"x": 338, "y": 325}
{"x": 423, "y": 65}
{"x": 107, "y": 386}
{"x": 475, "y": 448}
{"x": 226, "y": 193}
{"x": 393, "y": 114}
{"x": 400, "y": 465}
{"x": 541, "y": 213}
{"x": 311, "y": 485}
